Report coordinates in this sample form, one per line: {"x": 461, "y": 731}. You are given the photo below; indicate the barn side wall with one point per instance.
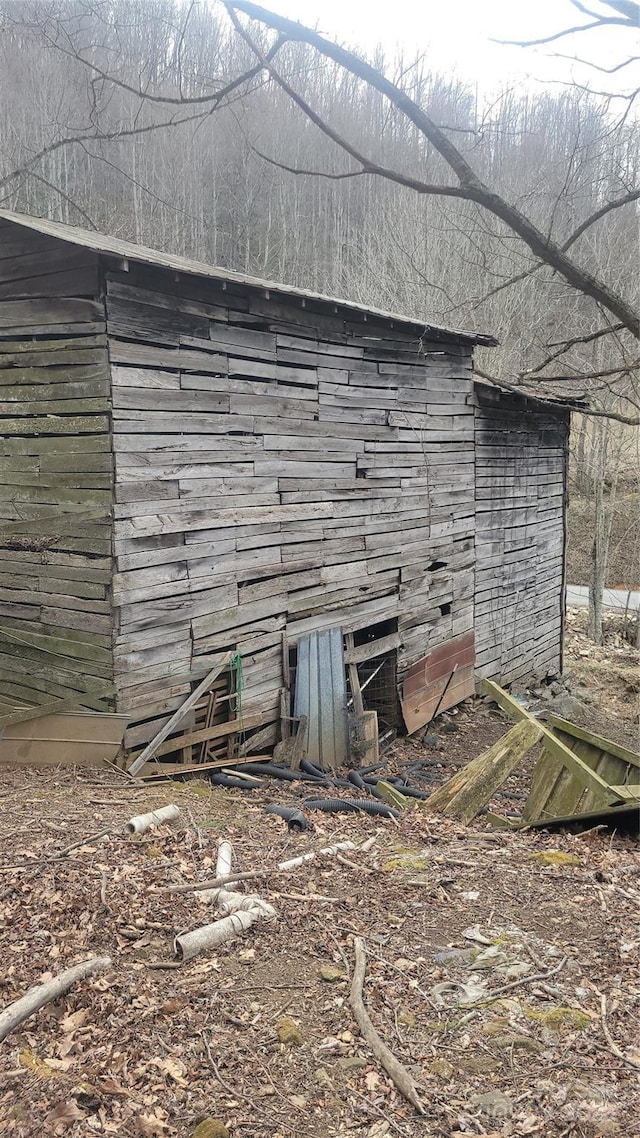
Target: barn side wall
{"x": 55, "y": 474}
{"x": 281, "y": 469}
{"x": 521, "y": 464}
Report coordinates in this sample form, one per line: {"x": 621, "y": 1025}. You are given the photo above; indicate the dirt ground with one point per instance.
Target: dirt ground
{"x": 503, "y": 968}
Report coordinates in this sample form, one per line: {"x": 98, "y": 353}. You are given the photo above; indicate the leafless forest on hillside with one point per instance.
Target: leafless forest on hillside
{"x": 162, "y": 123}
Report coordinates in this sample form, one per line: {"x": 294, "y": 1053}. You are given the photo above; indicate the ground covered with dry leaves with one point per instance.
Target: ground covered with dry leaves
{"x": 503, "y": 968}
{"x": 502, "y": 971}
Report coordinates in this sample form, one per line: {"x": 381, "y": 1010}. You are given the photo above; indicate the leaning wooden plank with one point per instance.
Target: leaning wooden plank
{"x": 204, "y": 735}
{"x": 473, "y": 786}
{"x": 179, "y": 715}
{"x": 154, "y": 771}
{"x": 579, "y": 769}
{"x": 391, "y": 795}
{"x": 43, "y": 994}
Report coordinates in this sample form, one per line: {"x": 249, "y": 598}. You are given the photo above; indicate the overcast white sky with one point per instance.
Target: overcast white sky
{"x": 457, "y": 35}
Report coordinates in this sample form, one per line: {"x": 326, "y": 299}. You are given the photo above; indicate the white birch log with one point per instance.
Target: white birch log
{"x": 42, "y": 994}
{"x": 225, "y": 860}
{"x": 140, "y": 823}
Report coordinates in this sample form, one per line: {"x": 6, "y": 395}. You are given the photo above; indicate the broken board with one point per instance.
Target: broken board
{"x": 566, "y": 783}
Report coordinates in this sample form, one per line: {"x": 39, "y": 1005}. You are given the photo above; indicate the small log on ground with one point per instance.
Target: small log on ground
{"x": 43, "y": 994}
{"x": 473, "y": 786}
{"x": 394, "y": 1068}
{"x": 241, "y": 912}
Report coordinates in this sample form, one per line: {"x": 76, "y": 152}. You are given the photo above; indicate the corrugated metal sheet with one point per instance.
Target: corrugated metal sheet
{"x": 321, "y": 695}
{"x": 113, "y": 246}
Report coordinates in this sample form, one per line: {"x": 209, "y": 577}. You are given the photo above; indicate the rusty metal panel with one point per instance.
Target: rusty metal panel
{"x": 423, "y": 686}
{"x": 321, "y": 695}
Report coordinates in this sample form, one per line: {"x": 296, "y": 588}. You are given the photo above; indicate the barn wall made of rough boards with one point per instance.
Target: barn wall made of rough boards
{"x": 55, "y": 474}
{"x": 279, "y": 470}
{"x": 521, "y": 463}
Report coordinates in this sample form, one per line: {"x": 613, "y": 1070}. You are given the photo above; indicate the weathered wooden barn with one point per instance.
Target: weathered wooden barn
{"x": 194, "y": 461}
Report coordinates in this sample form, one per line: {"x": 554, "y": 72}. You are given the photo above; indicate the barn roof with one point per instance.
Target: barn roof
{"x": 129, "y": 250}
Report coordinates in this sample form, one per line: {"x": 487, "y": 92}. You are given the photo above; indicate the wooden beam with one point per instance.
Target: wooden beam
{"x": 578, "y": 769}
{"x": 476, "y": 783}
{"x": 204, "y": 735}
{"x": 372, "y": 648}
{"x": 354, "y": 680}
{"x": 151, "y": 749}
{"x": 161, "y": 770}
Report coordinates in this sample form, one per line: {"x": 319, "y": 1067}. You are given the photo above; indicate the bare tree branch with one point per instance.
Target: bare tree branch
{"x": 576, "y": 408}
{"x": 572, "y": 343}
{"x": 65, "y": 197}
{"x": 629, "y": 18}
{"x": 131, "y": 132}
{"x": 176, "y": 100}
{"x": 621, "y": 370}
{"x": 475, "y": 189}
{"x": 366, "y": 164}
{"x": 597, "y": 66}
{"x": 626, "y": 199}
{"x": 369, "y": 168}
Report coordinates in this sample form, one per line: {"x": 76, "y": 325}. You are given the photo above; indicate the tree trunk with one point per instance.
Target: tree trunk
{"x": 599, "y": 544}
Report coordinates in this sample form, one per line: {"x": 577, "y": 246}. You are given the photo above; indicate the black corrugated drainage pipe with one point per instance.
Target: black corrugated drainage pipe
{"x": 294, "y": 818}
{"x": 239, "y": 783}
{"x": 335, "y": 805}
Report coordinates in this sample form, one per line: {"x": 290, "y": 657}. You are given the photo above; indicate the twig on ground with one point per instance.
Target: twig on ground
{"x": 61, "y": 853}
{"x": 394, "y": 1068}
{"x": 352, "y": 864}
{"x": 309, "y": 897}
{"x": 613, "y": 1046}
{"x": 535, "y": 976}
{"x": 216, "y": 882}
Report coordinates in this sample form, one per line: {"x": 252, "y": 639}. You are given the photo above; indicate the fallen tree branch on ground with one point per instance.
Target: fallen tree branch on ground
{"x": 43, "y": 994}
{"x": 613, "y": 1046}
{"x": 283, "y": 867}
{"x": 392, "y": 1066}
